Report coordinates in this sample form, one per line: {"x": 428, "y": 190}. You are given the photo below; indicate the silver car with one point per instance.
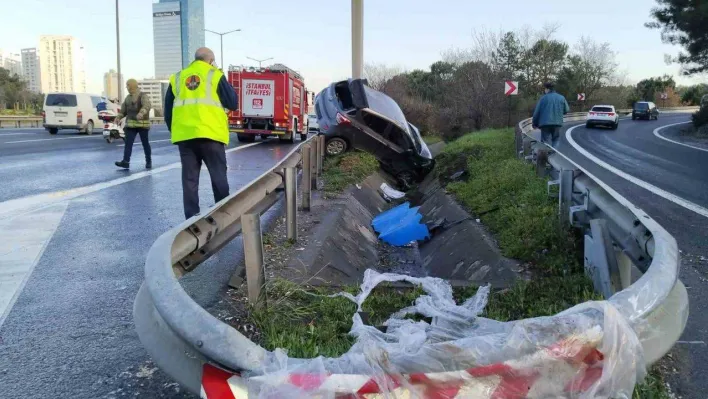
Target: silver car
{"x": 312, "y": 125}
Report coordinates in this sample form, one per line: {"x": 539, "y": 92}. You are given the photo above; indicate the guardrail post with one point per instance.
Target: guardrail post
{"x": 313, "y": 165}
{"x": 565, "y": 197}
{"x": 600, "y": 260}
{"x": 541, "y": 162}
{"x": 253, "y": 254}
{"x": 321, "y": 153}
{"x": 291, "y": 202}
{"x": 306, "y": 173}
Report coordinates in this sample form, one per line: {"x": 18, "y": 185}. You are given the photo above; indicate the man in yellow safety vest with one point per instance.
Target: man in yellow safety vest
{"x": 195, "y": 116}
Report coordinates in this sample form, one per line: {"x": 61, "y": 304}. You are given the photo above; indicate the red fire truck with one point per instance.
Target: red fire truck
{"x": 271, "y": 102}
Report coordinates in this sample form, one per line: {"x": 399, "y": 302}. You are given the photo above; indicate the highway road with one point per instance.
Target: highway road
{"x": 74, "y": 233}
{"x": 650, "y": 164}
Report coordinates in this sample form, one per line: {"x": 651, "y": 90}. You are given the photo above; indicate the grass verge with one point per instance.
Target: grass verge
{"x": 350, "y": 168}
{"x": 432, "y": 139}
{"x": 511, "y": 201}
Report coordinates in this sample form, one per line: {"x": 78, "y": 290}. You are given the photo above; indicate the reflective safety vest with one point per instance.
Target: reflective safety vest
{"x": 197, "y": 111}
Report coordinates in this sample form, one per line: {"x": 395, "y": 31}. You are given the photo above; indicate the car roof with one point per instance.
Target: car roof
{"x": 601, "y": 105}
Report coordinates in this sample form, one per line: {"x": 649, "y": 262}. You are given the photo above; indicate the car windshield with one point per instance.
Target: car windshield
{"x": 61, "y": 100}
{"x": 641, "y": 106}
{"x": 602, "y": 109}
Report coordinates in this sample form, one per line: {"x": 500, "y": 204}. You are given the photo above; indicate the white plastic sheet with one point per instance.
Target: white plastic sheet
{"x": 588, "y": 351}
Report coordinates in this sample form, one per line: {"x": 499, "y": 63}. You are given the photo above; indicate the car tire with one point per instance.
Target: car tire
{"x": 53, "y": 130}
{"x": 336, "y": 146}
{"x": 588, "y": 126}
{"x": 615, "y": 125}
{"x": 89, "y": 128}
{"x": 634, "y": 117}
{"x": 246, "y": 138}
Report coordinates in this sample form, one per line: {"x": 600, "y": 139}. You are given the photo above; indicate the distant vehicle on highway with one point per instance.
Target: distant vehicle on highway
{"x": 602, "y": 115}
{"x": 312, "y": 125}
{"x": 71, "y": 111}
{"x": 353, "y": 115}
{"x": 645, "y": 110}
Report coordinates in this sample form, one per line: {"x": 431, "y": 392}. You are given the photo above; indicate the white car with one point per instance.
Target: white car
{"x": 312, "y": 125}
{"x": 602, "y": 115}
{"x": 73, "y": 111}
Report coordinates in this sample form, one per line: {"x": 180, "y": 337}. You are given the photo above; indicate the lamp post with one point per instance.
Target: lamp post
{"x": 221, "y": 35}
{"x": 357, "y": 38}
{"x": 120, "y": 88}
{"x": 260, "y": 61}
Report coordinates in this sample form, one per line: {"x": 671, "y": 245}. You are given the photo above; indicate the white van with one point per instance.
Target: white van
{"x": 73, "y": 111}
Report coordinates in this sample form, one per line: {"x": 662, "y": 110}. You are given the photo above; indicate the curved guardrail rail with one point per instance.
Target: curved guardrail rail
{"x": 184, "y": 339}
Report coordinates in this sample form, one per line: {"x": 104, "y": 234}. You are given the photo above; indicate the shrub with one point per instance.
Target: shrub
{"x": 700, "y": 118}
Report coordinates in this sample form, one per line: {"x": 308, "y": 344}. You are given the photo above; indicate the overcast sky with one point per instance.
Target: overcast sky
{"x": 313, "y": 36}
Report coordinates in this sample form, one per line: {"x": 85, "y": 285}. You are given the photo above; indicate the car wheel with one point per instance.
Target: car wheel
{"x": 245, "y": 138}
{"x": 615, "y": 125}
{"x": 336, "y": 146}
{"x": 588, "y": 126}
{"x": 288, "y": 140}
{"x": 53, "y": 130}
{"x": 89, "y": 128}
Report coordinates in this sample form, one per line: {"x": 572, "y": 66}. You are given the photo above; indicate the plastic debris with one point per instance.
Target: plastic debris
{"x": 400, "y": 225}
{"x": 588, "y": 351}
{"x": 391, "y": 193}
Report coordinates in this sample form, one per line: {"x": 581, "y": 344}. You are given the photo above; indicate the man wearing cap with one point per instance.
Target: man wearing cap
{"x": 195, "y": 116}
{"x": 548, "y": 115}
{"x": 136, "y": 110}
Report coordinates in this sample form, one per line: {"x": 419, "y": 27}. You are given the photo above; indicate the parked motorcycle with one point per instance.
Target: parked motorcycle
{"x": 112, "y": 129}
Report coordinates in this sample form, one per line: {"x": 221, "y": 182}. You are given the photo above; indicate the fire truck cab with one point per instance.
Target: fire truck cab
{"x": 272, "y": 101}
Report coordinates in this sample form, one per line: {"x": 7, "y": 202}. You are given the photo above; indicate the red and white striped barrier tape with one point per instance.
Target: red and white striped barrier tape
{"x": 567, "y": 369}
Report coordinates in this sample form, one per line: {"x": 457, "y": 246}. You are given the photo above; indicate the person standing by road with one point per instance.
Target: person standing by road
{"x": 136, "y": 109}
{"x": 548, "y": 115}
{"x": 194, "y": 114}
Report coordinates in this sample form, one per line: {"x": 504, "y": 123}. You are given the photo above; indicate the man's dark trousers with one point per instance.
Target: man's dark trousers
{"x": 130, "y": 133}
{"x": 550, "y": 135}
{"x": 192, "y": 153}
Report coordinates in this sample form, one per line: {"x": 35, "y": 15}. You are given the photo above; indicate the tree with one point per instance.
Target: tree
{"x": 693, "y": 94}
{"x": 507, "y": 57}
{"x": 591, "y": 66}
{"x": 379, "y": 74}
{"x": 544, "y": 62}
{"x": 683, "y": 23}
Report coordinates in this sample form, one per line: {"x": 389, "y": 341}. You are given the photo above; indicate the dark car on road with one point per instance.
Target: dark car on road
{"x": 353, "y": 115}
{"x": 645, "y": 110}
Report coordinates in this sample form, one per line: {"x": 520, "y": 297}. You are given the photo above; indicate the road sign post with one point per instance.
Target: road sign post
{"x": 511, "y": 88}
{"x": 664, "y": 96}
{"x": 581, "y": 99}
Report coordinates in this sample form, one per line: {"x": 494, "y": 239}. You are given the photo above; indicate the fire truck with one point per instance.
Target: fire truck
{"x": 272, "y": 101}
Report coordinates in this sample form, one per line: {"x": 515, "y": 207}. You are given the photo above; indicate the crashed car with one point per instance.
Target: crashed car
{"x": 353, "y": 115}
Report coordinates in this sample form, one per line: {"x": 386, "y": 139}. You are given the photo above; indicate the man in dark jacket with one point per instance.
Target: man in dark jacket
{"x": 199, "y": 126}
{"x": 548, "y": 115}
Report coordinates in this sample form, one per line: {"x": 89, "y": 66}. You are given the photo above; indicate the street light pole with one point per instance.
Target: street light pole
{"x": 120, "y": 88}
{"x": 357, "y": 39}
{"x": 260, "y": 62}
{"x": 221, "y": 36}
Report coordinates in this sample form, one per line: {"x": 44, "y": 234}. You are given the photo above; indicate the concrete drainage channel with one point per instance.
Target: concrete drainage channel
{"x": 593, "y": 349}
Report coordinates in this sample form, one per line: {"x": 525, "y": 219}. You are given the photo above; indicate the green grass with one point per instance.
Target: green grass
{"x": 350, "y": 168}
{"x": 513, "y": 204}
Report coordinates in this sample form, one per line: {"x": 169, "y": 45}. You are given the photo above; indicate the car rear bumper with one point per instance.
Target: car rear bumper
{"x": 606, "y": 122}
{"x": 63, "y": 126}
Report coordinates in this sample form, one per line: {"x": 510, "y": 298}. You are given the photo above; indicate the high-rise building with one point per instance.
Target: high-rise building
{"x": 61, "y": 64}
{"x": 111, "y": 83}
{"x": 12, "y": 62}
{"x": 30, "y": 69}
{"x": 178, "y": 29}
{"x": 155, "y": 90}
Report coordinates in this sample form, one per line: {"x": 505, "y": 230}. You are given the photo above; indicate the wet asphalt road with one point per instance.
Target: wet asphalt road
{"x": 69, "y": 331}
{"x": 678, "y": 170}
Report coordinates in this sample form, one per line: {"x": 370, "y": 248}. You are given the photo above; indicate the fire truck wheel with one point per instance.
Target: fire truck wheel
{"x": 245, "y": 138}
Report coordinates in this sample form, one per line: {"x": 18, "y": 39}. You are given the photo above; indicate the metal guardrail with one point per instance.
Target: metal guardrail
{"x": 19, "y": 121}
{"x": 619, "y": 236}
{"x": 185, "y": 340}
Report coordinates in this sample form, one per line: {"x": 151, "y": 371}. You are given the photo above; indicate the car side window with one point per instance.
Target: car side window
{"x": 376, "y": 123}
{"x": 398, "y": 137}
{"x": 95, "y": 101}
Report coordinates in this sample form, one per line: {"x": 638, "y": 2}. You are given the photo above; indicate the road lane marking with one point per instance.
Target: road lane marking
{"x": 52, "y": 139}
{"x": 23, "y": 240}
{"x": 656, "y": 133}
{"x": 14, "y": 207}
{"x": 641, "y": 183}
{"x": 139, "y": 143}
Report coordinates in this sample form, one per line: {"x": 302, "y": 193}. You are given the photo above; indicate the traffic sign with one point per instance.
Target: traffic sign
{"x": 511, "y": 88}
{"x": 581, "y": 96}
{"x": 664, "y": 96}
